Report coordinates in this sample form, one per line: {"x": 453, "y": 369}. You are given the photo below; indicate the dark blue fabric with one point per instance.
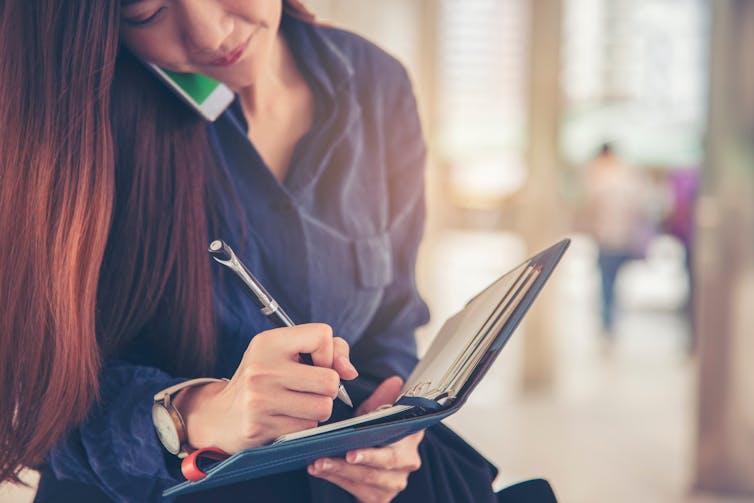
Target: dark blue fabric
{"x": 335, "y": 243}
{"x": 528, "y": 491}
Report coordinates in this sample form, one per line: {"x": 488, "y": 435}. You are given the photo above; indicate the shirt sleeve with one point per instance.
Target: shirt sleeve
{"x": 388, "y": 346}
{"x": 116, "y": 449}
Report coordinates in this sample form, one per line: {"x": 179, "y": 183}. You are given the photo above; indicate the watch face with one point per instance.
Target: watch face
{"x": 165, "y": 428}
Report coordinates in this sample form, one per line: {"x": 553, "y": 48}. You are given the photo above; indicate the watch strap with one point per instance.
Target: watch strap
{"x": 172, "y": 390}
{"x": 164, "y": 397}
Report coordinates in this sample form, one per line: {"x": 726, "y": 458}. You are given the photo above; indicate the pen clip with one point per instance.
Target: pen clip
{"x": 224, "y": 254}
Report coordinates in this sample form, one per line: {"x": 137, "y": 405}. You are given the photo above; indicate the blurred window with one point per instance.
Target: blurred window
{"x": 482, "y": 51}
{"x": 634, "y": 72}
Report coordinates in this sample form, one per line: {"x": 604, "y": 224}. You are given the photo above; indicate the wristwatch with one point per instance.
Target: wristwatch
{"x": 168, "y": 423}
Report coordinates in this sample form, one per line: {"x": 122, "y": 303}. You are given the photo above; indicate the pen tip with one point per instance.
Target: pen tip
{"x": 343, "y": 395}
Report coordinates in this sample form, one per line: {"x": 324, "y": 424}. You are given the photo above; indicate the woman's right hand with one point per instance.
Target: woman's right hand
{"x": 271, "y": 392}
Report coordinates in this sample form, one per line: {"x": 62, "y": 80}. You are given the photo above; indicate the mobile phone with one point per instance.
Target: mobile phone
{"x": 206, "y": 96}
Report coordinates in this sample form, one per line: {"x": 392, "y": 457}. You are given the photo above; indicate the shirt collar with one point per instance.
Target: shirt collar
{"x": 321, "y": 60}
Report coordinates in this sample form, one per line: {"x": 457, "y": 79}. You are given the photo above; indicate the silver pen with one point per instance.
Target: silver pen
{"x": 223, "y": 254}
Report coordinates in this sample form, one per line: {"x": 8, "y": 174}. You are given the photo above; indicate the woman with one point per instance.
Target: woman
{"x": 112, "y": 189}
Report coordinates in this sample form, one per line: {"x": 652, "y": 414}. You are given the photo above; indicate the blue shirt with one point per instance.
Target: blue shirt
{"x": 335, "y": 243}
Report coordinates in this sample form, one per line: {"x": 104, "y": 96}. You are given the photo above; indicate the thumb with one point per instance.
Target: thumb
{"x": 386, "y": 393}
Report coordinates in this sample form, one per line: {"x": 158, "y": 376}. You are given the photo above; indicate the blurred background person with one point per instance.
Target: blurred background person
{"x": 679, "y": 220}
{"x": 615, "y": 216}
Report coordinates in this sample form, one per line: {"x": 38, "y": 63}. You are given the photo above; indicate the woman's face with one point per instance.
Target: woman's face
{"x": 228, "y": 40}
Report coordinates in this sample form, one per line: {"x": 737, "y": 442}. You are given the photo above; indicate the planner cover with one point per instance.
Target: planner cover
{"x": 457, "y": 359}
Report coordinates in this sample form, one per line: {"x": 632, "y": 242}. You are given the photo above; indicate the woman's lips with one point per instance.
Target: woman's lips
{"x": 233, "y": 56}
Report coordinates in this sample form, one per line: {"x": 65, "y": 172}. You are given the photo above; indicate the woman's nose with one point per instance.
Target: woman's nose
{"x": 206, "y": 26}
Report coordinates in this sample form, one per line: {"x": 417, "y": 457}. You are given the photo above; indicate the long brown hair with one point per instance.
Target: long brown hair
{"x": 103, "y": 220}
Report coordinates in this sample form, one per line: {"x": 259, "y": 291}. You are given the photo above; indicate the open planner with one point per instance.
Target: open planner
{"x": 457, "y": 359}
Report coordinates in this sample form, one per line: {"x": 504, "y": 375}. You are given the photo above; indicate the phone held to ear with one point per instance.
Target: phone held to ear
{"x": 206, "y": 96}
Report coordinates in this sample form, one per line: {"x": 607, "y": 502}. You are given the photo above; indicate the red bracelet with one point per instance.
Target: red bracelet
{"x": 191, "y": 466}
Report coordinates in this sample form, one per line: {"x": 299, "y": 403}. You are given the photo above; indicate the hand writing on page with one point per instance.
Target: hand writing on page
{"x": 374, "y": 475}
{"x": 271, "y": 392}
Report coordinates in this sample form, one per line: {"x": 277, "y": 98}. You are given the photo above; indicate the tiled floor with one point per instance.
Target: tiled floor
{"x": 618, "y": 423}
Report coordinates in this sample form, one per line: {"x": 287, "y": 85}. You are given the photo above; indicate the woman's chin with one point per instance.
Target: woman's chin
{"x": 237, "y": 76}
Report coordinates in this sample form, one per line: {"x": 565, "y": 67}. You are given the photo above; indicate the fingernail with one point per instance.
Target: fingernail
{"x": 346, "y": 362}
{"x": 326, "y": 465}
{"x": 354, "y": 457}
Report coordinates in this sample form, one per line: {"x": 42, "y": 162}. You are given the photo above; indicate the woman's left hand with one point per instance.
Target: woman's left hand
{"x": 374, "y": 475}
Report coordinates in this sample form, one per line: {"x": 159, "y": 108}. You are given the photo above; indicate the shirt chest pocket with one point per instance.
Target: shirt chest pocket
{"x": 347, "y": 277}
{"x": 374, "y": 261}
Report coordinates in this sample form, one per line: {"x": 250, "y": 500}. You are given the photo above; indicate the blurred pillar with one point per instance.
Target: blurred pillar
{"x": 724, "y": 303}
{"x": 538, "y": 209}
